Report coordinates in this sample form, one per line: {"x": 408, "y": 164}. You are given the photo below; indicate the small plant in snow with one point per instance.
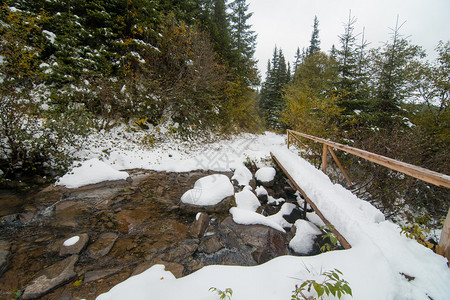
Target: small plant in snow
{"x": 226, "y": 294}
{"x": 416, "y": 232}
{"x": 331, "y": 237}
{"x": 331, "y": 284}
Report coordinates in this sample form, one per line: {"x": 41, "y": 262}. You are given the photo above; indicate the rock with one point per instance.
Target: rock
{"x": 222, "y": 207}
{"x": 261, "y": 256}
{"x": 182, "y": 251}
{"x": 99, "y": 274}
{"x": 128, "y": 220}
{"x": 252, "y": 183}
{"x": 66, "y": 212}
{"x": 28, "y": 214}
{"x": 102, "y": 245}
{"x": 51, "y": 278}
{"x": 4, "y": 256}
{"x": 201, "y": 223}
{"x": 210, "y": 245}
{"x": 75, "y": 248}
{"x": 175, "y": 268}
{"x": 259, "y": 236}
{"x": 293, "y": 216}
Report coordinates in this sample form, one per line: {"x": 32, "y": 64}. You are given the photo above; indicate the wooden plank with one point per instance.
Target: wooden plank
{"x": 324, "y": 158}
{"x": 444, "y": 242}
{"x": 340, "y": 166}
{"x": 340, "y": 238}
{"x": 426, "y": 175}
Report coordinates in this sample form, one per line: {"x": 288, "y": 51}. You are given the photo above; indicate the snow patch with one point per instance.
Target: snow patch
{"x": 209, "y": 190}
{"x": 247, "y": 200}
{"x": 90, "y": 172}
{"x": 72, "y": 241}
{"x": 265, "y": 174}
{"x": 303, "y": 241}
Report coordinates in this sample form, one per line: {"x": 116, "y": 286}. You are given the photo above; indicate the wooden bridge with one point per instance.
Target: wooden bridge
{"x": 289, "y": 168}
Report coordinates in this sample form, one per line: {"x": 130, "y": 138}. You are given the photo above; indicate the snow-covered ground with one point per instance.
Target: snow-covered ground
{"x": 379, "y": 265}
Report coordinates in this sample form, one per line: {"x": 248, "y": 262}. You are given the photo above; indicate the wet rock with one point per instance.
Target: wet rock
{"x": 102, "y": 245}
{"x": 75, "y": 248}
{"x": 182, "y": 251}
{"x": 4, "y": 256}
{"x": 99, "y": 274}
{"x": 28, "y": 214}
{"x": 66, "y": 212}
{"x": 210, "y": 245}
{"x": 175, "y": 268}
{"x": 128, "y": 220}
{"x": 200, "y": 225}
{"x": 51, "y": 278}
{"x": 220, "y": 208}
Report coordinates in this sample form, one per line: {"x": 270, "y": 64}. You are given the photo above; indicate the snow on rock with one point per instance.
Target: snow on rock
{"x": 273, "y": 201}
{"x": 303, "y": 241}
{"x": 265, "y": 174}
{"x": 90, "y": 172}
{"x": 247, "y": 217}
{"x": 242, "y": 175}
{"x": 286, "y": 209}
{"x": 209, "y": 190}
{"x": 72, "y": 241}
{"x": 260, "y": 191}
{"x": 247, "y": 200}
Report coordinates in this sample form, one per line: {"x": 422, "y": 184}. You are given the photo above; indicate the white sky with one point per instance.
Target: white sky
{"x": 288, "y": 23}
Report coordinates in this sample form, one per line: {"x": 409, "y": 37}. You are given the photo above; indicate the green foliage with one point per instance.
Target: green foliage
{"x": 226, "y": 294}
{"x": 331, "y": 284}
{"x": 331, "y": 237}
{"x": 418, "y": 230}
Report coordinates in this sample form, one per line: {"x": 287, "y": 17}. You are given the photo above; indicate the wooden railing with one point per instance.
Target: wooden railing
{"x": 423, "y": 174}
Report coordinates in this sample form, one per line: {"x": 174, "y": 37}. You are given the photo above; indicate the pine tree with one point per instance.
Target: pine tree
{"x": 314, "y": 46}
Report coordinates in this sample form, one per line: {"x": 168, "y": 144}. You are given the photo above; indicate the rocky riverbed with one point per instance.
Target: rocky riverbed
{"x": 122, "y": 228}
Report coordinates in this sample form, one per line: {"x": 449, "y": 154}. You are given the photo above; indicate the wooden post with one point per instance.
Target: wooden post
{"x": 340, "y": 166}
{"x": 444, "y": 242}
{"x": 288, "y": 135}
{"x": 324, "y": 158}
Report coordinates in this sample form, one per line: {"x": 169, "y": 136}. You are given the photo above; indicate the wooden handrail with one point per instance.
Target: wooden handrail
{"x": 423, "y": 174}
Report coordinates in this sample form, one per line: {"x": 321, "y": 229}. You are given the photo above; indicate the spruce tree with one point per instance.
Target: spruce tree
{"x": 271, "y": 103}
{"x": 394, "y": 68}
{"x": 314, "y": 46}
{"x": 243, "y": 41}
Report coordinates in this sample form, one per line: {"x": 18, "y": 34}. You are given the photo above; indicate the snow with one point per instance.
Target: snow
{"x": 90, "y": 172}
{"x": 265, "y": 174}
{"x": 247, "y": 217}
{"x": 247, "y": 200}
{"x": 72, "y": 241}
{"x": 260, "y": 191}
{"x": 209, "y": 190}
{"x": 242, "y": 175}
{"x": 303, "y": 241}
{"x": 373, "y": 266}
{"x": 286, "y": 209}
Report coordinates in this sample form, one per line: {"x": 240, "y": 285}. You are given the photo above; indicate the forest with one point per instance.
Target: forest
{"x": 71, "y": 67}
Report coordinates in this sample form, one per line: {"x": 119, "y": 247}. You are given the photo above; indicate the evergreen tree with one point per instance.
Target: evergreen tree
{"x": 243, "y": 41}
{"x": 314, "y": 46}
{"x": 394, "y": 68}
{"x": 278, "y": 75}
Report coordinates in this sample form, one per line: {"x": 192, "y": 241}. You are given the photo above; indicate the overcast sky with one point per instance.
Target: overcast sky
{"x": 288, "y": 23}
